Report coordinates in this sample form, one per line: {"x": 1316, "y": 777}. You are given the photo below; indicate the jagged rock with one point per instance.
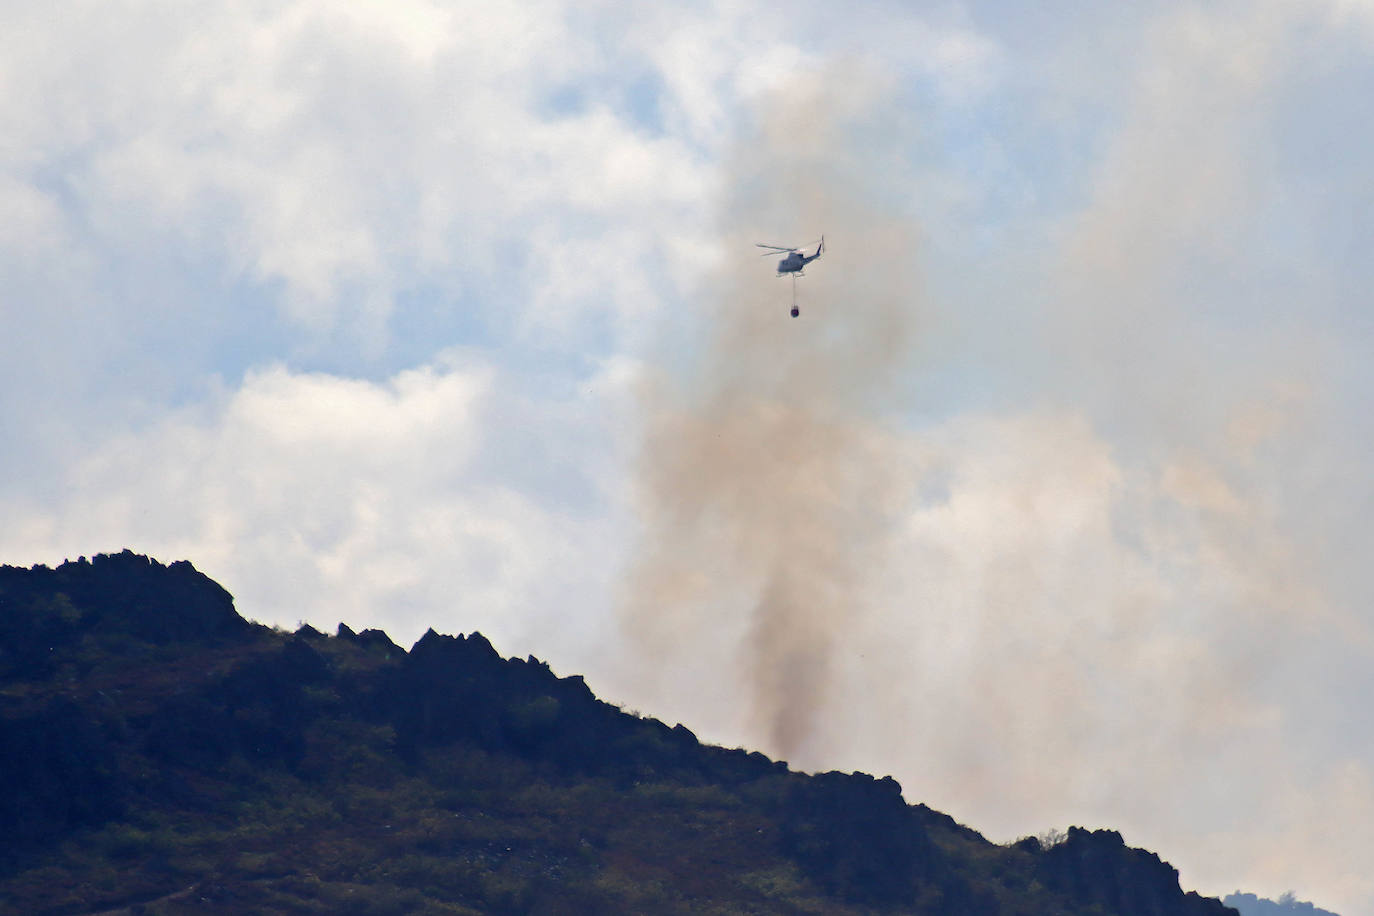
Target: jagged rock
{"x": 1098, "y": 866}
{"x": 374, "y": 640}
{"x": 123, "y": 594}
{"x": 306, "y": 631}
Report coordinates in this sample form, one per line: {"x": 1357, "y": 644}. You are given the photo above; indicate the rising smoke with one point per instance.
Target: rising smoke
{"x": 768, "y": 479}
{"x": 1118, "y": 595}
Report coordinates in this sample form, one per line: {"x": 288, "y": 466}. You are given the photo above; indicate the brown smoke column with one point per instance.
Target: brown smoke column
{"x": 768, "y": 483}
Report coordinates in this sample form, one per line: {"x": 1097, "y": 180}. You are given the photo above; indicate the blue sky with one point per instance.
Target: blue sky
{"x": 1053, "y": 505}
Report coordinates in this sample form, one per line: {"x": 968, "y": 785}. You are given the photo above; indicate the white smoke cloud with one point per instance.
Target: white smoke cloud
{"x": 1093, "y": 612}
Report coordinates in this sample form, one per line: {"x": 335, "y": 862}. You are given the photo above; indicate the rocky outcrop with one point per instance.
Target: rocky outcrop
{"x": 112, "y": 599}
{"x": 1096, "y": 866}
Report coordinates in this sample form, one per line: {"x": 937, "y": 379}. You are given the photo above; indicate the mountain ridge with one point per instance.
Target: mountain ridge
{"x": 155, "y": 739}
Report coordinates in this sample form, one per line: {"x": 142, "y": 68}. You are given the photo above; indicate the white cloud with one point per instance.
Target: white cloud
{"x": 347, "y": 151}
{"x": 320, "y": 498}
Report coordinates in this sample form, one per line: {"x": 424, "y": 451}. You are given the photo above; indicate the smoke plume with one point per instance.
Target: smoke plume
{"x": 1113, "y": 575}
{"x": 767, "y": 476}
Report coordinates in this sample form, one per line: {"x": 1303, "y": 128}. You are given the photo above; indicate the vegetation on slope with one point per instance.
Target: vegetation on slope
{"x": 159, "y": 754}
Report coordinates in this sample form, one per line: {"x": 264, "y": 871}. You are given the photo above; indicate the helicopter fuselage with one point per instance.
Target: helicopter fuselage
{"x": 794, "y": 262}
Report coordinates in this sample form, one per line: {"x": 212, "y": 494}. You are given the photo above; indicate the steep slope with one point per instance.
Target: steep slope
{"x": 158, "y": 752}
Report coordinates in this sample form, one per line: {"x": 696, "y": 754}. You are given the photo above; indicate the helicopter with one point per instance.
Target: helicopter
{"x": 794, "y": 263}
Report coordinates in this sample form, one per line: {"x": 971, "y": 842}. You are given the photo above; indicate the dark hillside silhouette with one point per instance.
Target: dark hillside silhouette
{"x": 158, "y": 751}
{"x": 1287, "y": 905}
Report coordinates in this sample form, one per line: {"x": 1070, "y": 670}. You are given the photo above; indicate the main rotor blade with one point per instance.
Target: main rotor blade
{"x": 774, "y": 247}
